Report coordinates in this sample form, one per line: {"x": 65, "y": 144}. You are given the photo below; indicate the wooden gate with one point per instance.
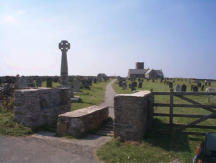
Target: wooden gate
{"x": 192, "y": 104}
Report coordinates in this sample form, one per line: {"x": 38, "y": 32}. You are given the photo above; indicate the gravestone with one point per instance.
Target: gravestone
{"x": 64, "y": 46}
{"x": 209, "y": 83}
{"x": 38, "y": 83}
{"x": 195, "y": 89}
{"x": 49, "y": 82}
{"x": 133, "y": 86}
{"x": 210, "y": 97}
{"x": 178, "y": 88}
{"x": 76, "y": 85}
{"x": 199, "y": 84}
{"x": 170, "y": 85}
{"x": 203, "y": 87}
{"x": 30, "y": 82}
{"x": 140, "y": 83}
{"x": 21, "y": 83}
{"x": 95, "y": 80}
{"x": 184, "y": 88}
{"x": 206, "y": 82}
{"x": 124, "y": 85}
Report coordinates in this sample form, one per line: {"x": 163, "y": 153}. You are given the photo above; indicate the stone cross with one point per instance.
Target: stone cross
{"x": 64, "y": 46}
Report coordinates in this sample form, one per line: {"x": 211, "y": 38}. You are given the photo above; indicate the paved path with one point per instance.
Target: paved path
{"x": 46, "y": 148}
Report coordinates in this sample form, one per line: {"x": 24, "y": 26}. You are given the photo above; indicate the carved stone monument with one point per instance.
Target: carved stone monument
{"x": 64, "y": 46}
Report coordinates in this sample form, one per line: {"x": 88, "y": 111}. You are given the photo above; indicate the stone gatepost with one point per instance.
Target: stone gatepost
{"x": 133, "y": 115}
{"x": 64, "y": 46}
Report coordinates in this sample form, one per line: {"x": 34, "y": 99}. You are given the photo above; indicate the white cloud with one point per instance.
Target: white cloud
{"x": 12, "y": 18}
{"x": 9, "y": 19}
{"x": 21, "y": 12}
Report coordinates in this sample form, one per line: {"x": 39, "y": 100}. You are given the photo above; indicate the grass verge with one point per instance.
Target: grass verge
{"x": 9, "y": 127}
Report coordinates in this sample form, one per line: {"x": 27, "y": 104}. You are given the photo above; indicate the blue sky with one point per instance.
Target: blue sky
{"x": 177, "y": 36}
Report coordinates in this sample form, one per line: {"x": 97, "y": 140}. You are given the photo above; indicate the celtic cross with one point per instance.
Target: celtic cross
{"x": 64, "y": 46}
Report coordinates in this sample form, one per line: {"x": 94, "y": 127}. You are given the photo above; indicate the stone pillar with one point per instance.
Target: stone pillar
{"x": 64, "y": 46}
{"x": 133, "y": 115}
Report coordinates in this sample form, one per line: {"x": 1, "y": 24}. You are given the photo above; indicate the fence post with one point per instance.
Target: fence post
{"x": 171, "y": 109}
{"x": 150, "y": 109}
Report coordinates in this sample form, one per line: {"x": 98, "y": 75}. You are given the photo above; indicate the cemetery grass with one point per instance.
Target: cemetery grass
{"x": 93, "y": 96}
{"x": 9, "y": 127}
{"x": 157, "y": 147}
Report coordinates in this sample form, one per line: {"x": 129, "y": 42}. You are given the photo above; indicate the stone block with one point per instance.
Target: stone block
{"x": 40, "y": 107}
{"x": 133, "y": 115}
{"x": 77, "y": 123}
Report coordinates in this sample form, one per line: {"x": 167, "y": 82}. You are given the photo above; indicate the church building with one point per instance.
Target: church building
{"x": 141, "y": 72}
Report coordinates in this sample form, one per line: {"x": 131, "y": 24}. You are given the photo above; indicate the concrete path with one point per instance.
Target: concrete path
{"x": 44, "y": 147}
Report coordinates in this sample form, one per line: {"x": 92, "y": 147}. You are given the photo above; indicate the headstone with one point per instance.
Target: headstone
{"x": 95, "y": 80}
{"x": 203, "y": 87}
{"x": 210, "y": 97}
{"x": 21, "y": 83}
{"x": 178, "y": 88}
{"x": 209, "y": 83}
{"x": 170, "y": 85}
{"x": 195, "y": 89}
{"x": 30, "y": 82}
{"x": 76, "y": 85}
{"x": 49, "y": 82}
{"x": 184, "y": 88}
{"x": 206, "y": 82}
{"x": 199, "y": 84}
{"x": 38, "y": 83}
{"x": 140, "y": 83}
{"x": 124, "y": 85}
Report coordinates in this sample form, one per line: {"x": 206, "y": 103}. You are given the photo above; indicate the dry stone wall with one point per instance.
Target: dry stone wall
{"x": 40, "y": 107}
{"x": 133, "y": 115}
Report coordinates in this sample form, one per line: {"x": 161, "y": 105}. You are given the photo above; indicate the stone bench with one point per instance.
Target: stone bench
{"x": 77, "y": 123}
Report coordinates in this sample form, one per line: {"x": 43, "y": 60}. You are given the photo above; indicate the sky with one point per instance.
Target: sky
{"x": 108, "y": 36}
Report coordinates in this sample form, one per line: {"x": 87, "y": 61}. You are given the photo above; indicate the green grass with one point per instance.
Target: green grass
{"x": 54, "y": 84}
{"x": 94, "y": 96}
{"x": 157, "y": 147}
{"x": 9, "y": 127}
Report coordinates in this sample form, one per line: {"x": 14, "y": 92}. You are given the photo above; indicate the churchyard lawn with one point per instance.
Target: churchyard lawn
{"x": 157, "y": 147}
{"x": 94, "y": 96}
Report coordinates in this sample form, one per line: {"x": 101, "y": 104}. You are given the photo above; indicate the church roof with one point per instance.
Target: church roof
{"x": 137, "y": 71}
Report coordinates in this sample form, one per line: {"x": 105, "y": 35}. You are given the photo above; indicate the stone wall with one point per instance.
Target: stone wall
{"x": 79, "y": 122}
{"x": 40, "y": 107}
{"x": 133, "y": 115}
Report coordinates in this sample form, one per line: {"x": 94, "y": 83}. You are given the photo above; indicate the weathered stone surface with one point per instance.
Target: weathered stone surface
{"x": 133, "y": 115}
{"x": 39, "y": 107}
{"x": 79, "y": 122}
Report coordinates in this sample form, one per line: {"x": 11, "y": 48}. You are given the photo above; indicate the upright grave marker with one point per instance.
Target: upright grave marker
{"x": 64, "y": 46}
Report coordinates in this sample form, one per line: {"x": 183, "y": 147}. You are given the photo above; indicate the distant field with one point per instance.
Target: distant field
{"x": 156, "y": 147}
